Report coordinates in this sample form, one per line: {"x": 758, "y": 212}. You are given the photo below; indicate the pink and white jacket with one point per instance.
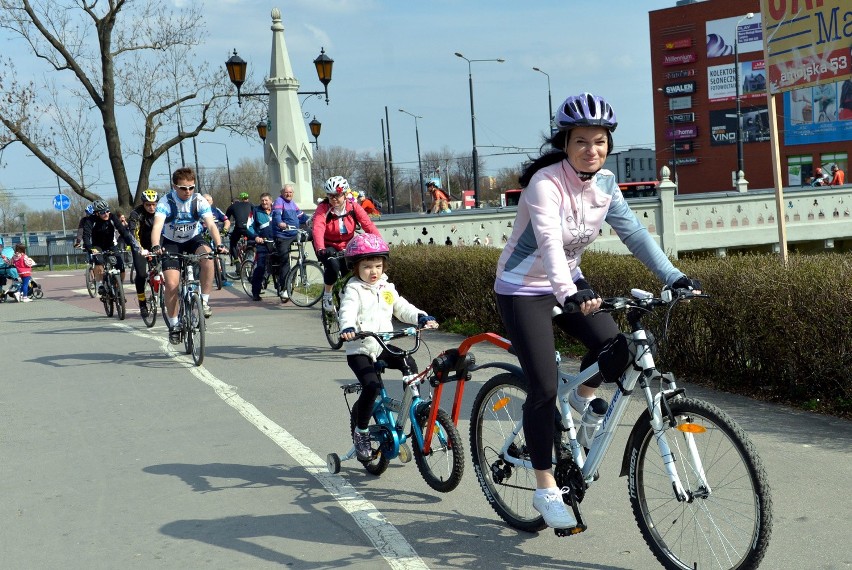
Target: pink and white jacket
{"x": 559, "y": 215}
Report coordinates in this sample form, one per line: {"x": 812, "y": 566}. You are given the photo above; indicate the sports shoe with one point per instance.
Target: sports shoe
{"x": 327, "y": 304}
{"x": 18, "y": 297}
{"x": 578, "y": 403}
{"x": 174, "y": 336}
{"x": 256, "y": 298}
{"x": 101, "y": 290}
{"x": 208, "y": 312}
{"x": 143, "y": 310}
{"x": 362, "y": 445}
{"x": 26, "y": 300}
{"x": 555, "y": 512}
{"x": 283, "y": 296}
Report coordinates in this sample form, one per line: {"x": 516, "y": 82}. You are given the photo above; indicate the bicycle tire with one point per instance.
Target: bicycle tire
{"x": 497, "y": 409}
{"x": 304, "y": 283}
{"x": 443, "y": 468}
{"x": 120, "y": 299}
{"x": 246, "y": 270}
{"x": 91, "y": 286}
{"x": 331, "y": 326}
{"x": 730, "y": 527}
{"x": 380, "y": 461}
{"x": 196, "y": 332}
{"x": 218, "y": 280}
{"x": 151, "y": 303}
{"x": 109, "y": 307}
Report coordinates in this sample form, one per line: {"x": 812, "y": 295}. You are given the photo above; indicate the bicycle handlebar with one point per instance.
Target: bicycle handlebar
{"x": 384, "y": 337}
{"x": 640, "y": 299}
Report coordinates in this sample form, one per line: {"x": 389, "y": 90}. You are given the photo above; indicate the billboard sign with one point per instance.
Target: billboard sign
{"x": 680, "y": 73}
{"x": 680, "y": 89}
{"x": 684, "y": 132}
{"x": 679, "y": 103}
{"x": 682, "y": 118}
{"x": 818, "y": 114}
{"x": 721, "y": 35}
{"x": 806, "y": 43}
{"x": 721, "y": 78}
{"x": 679, "y": 43}
{"x": 723, "y": 125}
{"x": 679, "y": 58}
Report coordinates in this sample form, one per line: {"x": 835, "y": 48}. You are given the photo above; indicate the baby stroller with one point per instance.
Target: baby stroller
{"x": 9, "y": 273}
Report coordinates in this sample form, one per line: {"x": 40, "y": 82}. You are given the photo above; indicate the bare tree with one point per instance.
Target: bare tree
{"x": 125, "y": 57}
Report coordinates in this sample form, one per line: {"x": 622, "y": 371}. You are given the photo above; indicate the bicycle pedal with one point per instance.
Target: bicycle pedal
{"x": 570, "y": 531}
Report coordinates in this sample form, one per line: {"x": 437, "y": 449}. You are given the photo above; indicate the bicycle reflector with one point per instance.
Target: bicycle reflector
{"x": 500, "y": 404}
{"x": 691, "y": 428}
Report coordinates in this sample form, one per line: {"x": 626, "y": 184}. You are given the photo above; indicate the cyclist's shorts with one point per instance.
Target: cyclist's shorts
{"x": 173, "y": 247}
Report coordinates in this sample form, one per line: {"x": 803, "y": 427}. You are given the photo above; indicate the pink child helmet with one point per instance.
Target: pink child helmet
{"x": 365, "y": 245}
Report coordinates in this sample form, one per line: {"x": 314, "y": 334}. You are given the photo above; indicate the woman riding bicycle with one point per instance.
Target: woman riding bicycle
{"x": 567, "y": 196}
{"x": 334, "y": 223}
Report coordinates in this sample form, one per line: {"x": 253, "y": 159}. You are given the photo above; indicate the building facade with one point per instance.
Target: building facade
{"x": 695, "y": 47}
{"x": 633, "y": 164}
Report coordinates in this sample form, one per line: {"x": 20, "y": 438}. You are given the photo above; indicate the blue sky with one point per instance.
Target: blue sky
{"x": 399, "y": 54}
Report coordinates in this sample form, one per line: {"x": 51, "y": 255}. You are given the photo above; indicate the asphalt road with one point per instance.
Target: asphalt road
{"x": 118, "y": 453}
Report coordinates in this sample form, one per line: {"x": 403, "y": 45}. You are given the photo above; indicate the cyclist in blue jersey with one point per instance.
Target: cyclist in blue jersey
{"x": 178, "y": 223}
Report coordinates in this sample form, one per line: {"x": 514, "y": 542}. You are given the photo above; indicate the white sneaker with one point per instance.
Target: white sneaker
{"x": 26, "y": 300}
{"x": 555, "y": 512}
{"x": 578, "y": 403}
{"x": 327, "y": 304}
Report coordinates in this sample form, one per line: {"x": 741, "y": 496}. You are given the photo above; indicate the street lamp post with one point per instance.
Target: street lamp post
{"x": 473, "y": 125}
{"x": 419, "y": 163}
{"x": 236, "y": 67}
{"x": 740, "y": 164}
{"x": 674, "y": 146}
{"x": 228, "y": 165}
{"x": 549, "y": 102}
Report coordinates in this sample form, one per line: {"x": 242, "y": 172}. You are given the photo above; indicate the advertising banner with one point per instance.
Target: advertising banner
{"x": 723, "y": 125}
{"x": 684, "y": 132}
{"x": 818, "y": 114}
{"x": 806, "y": 43}
{"x": 720, "y": 81}
{"x": 721, "y": 35}
{"x": 680, "y": 89}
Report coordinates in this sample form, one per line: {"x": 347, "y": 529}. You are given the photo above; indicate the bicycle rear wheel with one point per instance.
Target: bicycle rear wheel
{"x": 726, "y": 526}
{"x": 151, "y": 299}
{"x": 246, "y": 269}
{"x": 91, "y": 286}
{"x": 497, "y": 412}
{"x": 443, "y": 468}
{"x": 305, "y": 283}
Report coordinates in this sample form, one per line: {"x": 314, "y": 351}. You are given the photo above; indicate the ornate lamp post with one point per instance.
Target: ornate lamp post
{"x": 315, "y": 127}
{"x": 236, "y": 67}
{"x": 473, "y": 125}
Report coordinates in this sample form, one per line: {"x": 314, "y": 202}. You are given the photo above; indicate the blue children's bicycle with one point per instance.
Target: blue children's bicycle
{"x": 438, "y": 449}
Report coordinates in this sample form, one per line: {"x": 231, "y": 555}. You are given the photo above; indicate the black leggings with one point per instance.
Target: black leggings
{"x": 365, "y": 370}
{"x": 528, "y": 324}
{"x": 332, "y": 266}
{"x": 140, "y": 263}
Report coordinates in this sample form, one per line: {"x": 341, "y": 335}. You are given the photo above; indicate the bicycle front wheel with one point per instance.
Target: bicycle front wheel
{"x": 246, "y": 269}
{"x": 218, "y": 278}
{"x": 304, "y": 283}
{"x": 497, "y": 413}
{"x": 331, "y": 326}
{"x": 725, "y": 526}
{"x": 197, "y": 329}
{"x": 151, "y": 299}
{"x": 443, "y": 467}
{"x": 91, "y": 286}
{"x": 120, "y": 299}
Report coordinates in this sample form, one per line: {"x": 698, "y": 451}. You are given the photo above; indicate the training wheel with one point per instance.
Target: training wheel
{"x": 332, "y": 461}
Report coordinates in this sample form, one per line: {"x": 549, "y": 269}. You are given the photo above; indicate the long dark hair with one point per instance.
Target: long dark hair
{"x": 552, "y": 151}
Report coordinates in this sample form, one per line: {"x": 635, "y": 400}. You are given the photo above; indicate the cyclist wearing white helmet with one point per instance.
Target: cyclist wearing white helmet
{"x": 334, "y": 224}
{"x": 567, "y": 197}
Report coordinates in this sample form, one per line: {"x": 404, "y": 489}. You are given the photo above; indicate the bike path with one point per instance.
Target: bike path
{"x": 117, "y": 455}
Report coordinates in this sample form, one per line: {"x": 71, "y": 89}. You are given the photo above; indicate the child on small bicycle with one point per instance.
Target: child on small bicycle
{"x": 368, "y": 303}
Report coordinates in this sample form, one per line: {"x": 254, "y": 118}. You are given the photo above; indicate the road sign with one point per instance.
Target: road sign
{"x": 61, "y": 202}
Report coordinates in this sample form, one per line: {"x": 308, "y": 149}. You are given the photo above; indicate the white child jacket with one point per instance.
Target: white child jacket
{"x": 371, "y": 308}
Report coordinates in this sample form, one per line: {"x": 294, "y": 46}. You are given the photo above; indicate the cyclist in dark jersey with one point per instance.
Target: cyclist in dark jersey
{"x": 140, "y": 222}
{"x": 99, "y": 231}
{"x": 240, "y": 212}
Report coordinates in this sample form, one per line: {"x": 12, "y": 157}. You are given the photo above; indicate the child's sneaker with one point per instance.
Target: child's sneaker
{"x": 549, "y": 503}
{"x": 363, "y": 450}
{"x": 327, "y": 304}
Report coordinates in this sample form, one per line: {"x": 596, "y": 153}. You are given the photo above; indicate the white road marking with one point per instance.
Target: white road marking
{"x": 387, "y": 539}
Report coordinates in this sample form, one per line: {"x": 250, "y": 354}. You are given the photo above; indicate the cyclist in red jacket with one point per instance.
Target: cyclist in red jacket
{"x": 334, "y": 224}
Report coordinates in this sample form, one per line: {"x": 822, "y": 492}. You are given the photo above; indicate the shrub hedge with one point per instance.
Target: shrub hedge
{"x": 768, "y": 331}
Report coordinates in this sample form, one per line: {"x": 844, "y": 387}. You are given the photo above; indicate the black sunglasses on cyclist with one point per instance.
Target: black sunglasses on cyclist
{"x": 190, "y": 188}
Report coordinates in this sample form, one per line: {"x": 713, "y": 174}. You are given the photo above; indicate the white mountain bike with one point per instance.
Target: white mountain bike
{"x": 696, "y": 485}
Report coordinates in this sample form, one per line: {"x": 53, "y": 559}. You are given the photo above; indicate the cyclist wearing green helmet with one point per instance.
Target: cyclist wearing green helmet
{"x": 140, "y": 222}
{"x": 240, "y": 214}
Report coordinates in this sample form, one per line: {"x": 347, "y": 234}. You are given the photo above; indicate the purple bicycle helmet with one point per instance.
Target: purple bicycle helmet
{"x": 365, "y": 245}
{"x": 586, "y": 110}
